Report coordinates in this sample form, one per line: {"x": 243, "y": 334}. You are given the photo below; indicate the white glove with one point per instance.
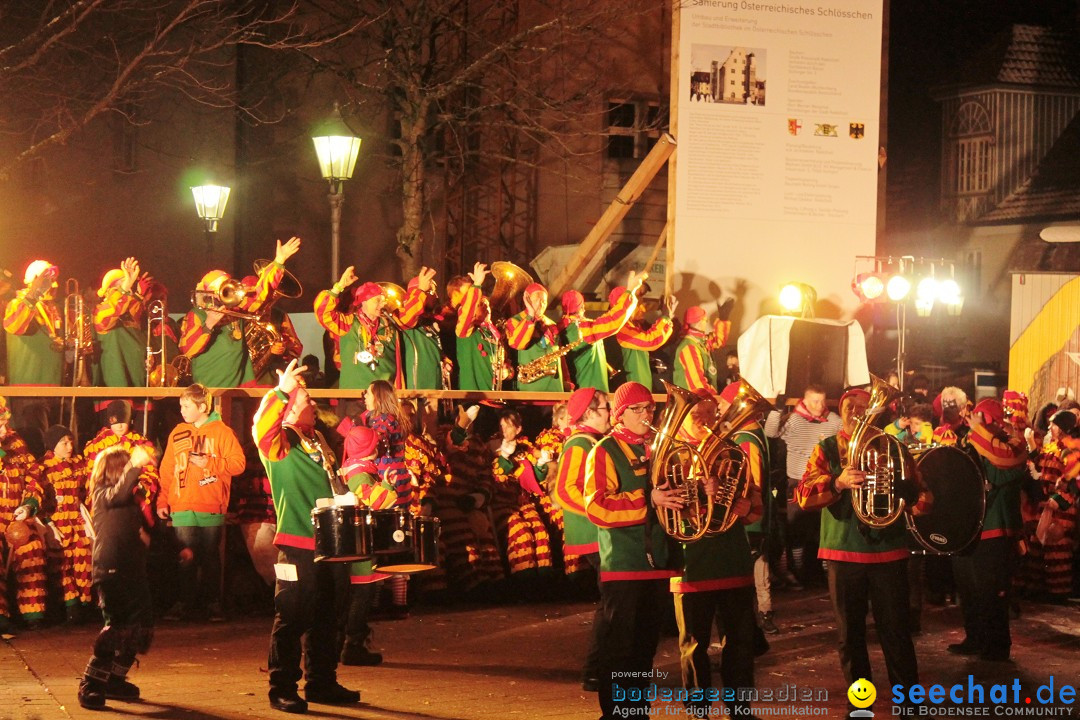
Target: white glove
{"x": 472, "y": 411}
{"x": 56, "y": 535}
{"x": 346, "y": 499}
{"x": 545, "y": 457}
{"x": 21, "y": 513}
{"x": 1029, "y": 436}
{"x": 507, "y": 448}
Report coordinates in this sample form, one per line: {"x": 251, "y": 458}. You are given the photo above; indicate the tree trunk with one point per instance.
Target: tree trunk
{"x": 410, "y": 238}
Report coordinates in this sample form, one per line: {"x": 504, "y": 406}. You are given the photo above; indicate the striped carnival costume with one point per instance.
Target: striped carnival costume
{"x": 35, "y": 348}
{"x": 637, "y": 339}
{"x": 478, "y": 338}
{"x": 119, "y": 433}
{"x": 64, "y": 479}
{"x": 866, "y": 566}
{"x": 532, "y": 334}
{"x": 428, "y": 465}
{"x": 305, "y": 590}
{"x": 694, "y": 366}
{"x": 518, "y": 473}
{"x": 464, "y": 511}
{"x": 549, "y": 443}
{"x": 588, "y": 361}
{"x": 633, "y": 552}
{"x": 20, "y": 499}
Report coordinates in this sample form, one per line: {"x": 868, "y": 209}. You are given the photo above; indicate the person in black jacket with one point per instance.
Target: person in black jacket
{"x": 119, "y": 577}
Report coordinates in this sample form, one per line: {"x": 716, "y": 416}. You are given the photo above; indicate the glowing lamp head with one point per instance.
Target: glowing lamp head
{"x": 948, "y": 291}
{"x": 791, "y": 298}
{"x": 897, "y": 288}
{"x": 869, "y": 286}
{"x": 927, "y": 289}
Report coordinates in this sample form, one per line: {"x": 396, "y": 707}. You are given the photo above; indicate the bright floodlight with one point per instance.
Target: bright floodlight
{"x": 871, "y": 286}
{"x": 927, "y": 289}
{"x": 791, "y": 298}
{"x": 948, "y": 291}
{"x": 898, "y": 288}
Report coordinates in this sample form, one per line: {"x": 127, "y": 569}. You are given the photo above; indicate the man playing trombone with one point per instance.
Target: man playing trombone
{"x": 212, "y": 334}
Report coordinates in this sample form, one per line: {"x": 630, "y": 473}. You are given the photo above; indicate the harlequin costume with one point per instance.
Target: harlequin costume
{"x": 637, "y": 339}
{"x": 517, "y": 521}
{"x": 34, "y": 326}
{"x": 20, "y": 485}
{"x": 864, "y": 565}
{"x": 533, "y": 337}
{"x": 588, "y": 361}
{"x": 633, "y": 554}
{"x": 369, "y": 348}
{"x": 305, "y": 590}
{"x": 149, "y": 486}
{"x": 694, "y": 366}
{"x": 464, "y": 512}
{"x": 716, "y": 585}
{"x": 551, "y": 441}
{"x": 477, "y": 338}
{"x": 422, "y": 354}
{"x": 428, "y": 465}
{"x": 1050, "y": 567}
{"x": 219, "y": 355}
{"x": 65, "y": 481}
{"x": 120, "y": 332}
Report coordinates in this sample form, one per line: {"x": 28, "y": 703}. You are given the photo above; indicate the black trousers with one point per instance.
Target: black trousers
{"x": 304, "y": 622}
{"x": 733, "y": 612}
{"x": 884, "y": 587}
{"x": 353, "y": 609}
{"x": 983, "y": 583}
{"x": 631, "y": 632}
{"x": 129, "y": 624}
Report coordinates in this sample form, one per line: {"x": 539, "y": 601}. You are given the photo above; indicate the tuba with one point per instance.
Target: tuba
{"x": 725, "y": 460}
{"x": 260, "y": 333}
{"x": 681, "y": 466}
{"x": 888, "y": 464}
{"x": 510, "y": 283}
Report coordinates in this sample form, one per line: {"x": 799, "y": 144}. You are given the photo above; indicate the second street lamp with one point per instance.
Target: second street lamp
{"x": 337, "y": 148}
{"x": 210, "y": 202}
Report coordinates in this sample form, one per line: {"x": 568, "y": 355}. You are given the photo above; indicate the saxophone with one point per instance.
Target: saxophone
{"x": 545, "y": 365}
{"x": 679, "y": 465}
{"x": 887, "y": 462}
{"x": 725, "y": 460}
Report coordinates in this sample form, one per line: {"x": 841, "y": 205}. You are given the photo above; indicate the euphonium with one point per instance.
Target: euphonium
{"x": 725, "y": 460}
{"x": 680, "y": 466}
{"x": 887, "y": 463}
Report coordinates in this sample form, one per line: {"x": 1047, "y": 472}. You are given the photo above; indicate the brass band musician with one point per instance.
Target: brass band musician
{"x": 35, "y": 346}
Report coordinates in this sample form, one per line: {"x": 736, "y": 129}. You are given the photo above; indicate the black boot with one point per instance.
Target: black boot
{"x": 92, "y": 686}
{"x": 118, "y": 687}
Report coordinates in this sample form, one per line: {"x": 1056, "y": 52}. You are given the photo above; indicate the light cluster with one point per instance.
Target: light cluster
{"x": 891, "y": 279}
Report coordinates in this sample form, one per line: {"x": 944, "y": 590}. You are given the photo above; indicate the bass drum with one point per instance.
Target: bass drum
{"x": 959, "y": 491}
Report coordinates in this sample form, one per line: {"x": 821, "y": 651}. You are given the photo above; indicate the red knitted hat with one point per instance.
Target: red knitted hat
{"x": 991, "y": 409}
{"x": 365, "y": 292}
{"x": 578, "y": 404}
{"x": 729, "y": 393}
{"x": 1016, "y": 402}
{"x": 572, "y": 302}
{"x": 630, "y": 393}
{"x": 693, "y": 315}
{"x": 853, "y": 392}
{"x": 616, "y": 292}
{"x": 534, "y": 288}
{"x": 360, "y": 443}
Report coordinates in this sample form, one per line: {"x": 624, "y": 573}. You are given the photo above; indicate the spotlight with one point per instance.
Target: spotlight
{"x": 948, "y": 291}
{"x": 791, "y": 298}
{"x": 868, "y": 286}
{"x": 898, "y": 288}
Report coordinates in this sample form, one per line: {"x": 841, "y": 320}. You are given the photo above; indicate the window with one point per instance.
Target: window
{"x": 969, "y": 151}
{"x": 633, "y": 127}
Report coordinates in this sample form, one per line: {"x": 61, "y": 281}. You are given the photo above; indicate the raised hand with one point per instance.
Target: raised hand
{"x": 478, "y": 274}
{"x": 671, "y": 302}
{"x": 289, "y": 379}
{"x": 347, "y": 278}
{"x": 424, "y": 277}
{"x": 635, "y": 280}
{"x": 286, "y": 251}
{"x": 130, "y": 266}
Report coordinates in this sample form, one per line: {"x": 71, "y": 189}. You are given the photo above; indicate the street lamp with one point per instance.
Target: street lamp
{"x": 337, "y": 148}
{"x": 210, "y": 202}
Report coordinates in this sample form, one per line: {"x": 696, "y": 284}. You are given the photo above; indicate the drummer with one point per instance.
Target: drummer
{"x": 304, "y": 588}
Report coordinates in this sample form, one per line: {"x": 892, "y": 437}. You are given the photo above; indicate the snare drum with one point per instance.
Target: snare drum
{"x": 342, "y": 533}
{"x": 418, "y": 551}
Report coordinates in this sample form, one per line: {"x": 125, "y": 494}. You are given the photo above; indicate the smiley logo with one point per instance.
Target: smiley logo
{"x": 862, "y": 693}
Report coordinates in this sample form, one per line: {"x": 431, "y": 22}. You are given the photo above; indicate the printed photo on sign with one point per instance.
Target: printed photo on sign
{"x": 727, "y": 74}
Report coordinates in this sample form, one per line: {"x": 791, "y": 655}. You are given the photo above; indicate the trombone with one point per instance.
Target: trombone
{"x": 162, "y": 373}
{"x": 77, "y": 342}
{"x": 224, "y": 300}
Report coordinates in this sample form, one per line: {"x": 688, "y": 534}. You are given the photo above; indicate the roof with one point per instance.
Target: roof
{"x": 1039, "y": 256}
{"x": 1025, "y": 55}
{"x": 1053, "y": 190}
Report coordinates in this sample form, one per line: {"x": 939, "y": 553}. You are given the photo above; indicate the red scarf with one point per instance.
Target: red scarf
{"x": 632, "y": 438}
{"x": 801, "y": 410}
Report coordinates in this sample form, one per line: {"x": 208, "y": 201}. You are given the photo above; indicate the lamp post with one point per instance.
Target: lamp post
{"x": 210, "y": 202}
{"x": 337, "y": 148}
